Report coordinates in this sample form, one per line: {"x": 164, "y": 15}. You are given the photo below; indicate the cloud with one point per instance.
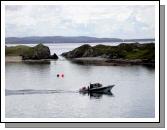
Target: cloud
{"x": 91, "y": 20}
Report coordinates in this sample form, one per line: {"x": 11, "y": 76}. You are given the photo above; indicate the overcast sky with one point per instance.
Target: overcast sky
{"x": 67, "y": 20}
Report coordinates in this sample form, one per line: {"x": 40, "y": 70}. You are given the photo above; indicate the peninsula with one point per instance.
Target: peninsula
{"x": 123, "y": 54}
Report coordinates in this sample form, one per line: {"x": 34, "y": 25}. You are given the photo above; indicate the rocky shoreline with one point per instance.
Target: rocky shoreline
{"x": 18, "y": 59}
{"x": 26, "y": 53}
{"x": 13, "y": 59}
{"x": 123, "y": 54}
{"x": 110, "y": 62}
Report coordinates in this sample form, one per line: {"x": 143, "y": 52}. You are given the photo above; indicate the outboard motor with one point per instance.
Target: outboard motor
{"x": 83, "y": 89}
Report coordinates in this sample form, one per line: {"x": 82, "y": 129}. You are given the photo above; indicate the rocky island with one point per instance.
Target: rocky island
{"x": 122, "y": 54}
{"x": 22, "y": 52}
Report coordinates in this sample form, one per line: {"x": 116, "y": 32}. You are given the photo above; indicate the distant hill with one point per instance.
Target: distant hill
{"x": 63, "y": 39}
{"x": 139, "y": 40}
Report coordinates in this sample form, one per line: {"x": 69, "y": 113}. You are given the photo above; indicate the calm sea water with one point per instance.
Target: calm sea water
{"x": 34, "y": 91}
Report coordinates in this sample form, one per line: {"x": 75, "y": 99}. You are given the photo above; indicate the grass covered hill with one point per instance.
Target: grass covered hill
{"x": 37, "y": 52}
{"x": 129, "y": 51}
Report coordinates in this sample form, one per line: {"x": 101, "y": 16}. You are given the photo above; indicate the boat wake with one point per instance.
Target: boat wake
{"x": 33, "y": 91}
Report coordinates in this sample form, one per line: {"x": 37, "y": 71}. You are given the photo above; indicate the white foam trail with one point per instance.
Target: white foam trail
{"x": 32, "y": 91}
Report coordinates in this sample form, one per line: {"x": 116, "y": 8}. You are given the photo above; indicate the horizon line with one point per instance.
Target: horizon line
{"x": 74, "y": 36}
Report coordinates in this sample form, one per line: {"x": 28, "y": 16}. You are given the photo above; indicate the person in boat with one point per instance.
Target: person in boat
{"x": 88, "y": 88}
{"x": 99, "y": 85}
{"x": 96, "y": 85}
{"x": 91, "y": 86}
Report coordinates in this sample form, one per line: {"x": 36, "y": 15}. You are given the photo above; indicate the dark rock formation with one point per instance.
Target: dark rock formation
{"x": 54, "y": 56}
{"x": 37, "y": 52}
{"x": 125, "y": 53}
{"x": 78, "y": 52}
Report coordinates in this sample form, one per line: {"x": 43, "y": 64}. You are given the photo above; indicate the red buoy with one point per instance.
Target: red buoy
{"x": 62, "y": 75}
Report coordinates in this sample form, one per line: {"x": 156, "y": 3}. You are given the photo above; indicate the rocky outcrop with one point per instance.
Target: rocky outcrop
{"x": 125, "y": 53}
{"x": 78, "y": 52}
{"x": 108, "y": 62}
{"x": 54, "y": 56}
{"x": 30, "y": 53}
{"x": 38, "y": 52}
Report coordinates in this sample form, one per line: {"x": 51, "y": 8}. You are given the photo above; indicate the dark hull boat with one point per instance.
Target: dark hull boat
{"x": 105, "y": 89}
{"x": 96, "y": 88}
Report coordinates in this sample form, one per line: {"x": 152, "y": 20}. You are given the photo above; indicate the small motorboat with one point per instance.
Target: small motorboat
{"x": 96, "y": 88}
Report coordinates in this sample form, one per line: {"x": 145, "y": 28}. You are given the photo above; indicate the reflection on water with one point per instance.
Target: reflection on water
{"x": 149, "y": 67}
{"x": 35, "y": 62}
{"x": 36, "y": 86}
{"x": 94, "y": 95}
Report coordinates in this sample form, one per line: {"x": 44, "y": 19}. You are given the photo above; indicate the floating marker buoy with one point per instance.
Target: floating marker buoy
{"x": 62, "y": 75}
